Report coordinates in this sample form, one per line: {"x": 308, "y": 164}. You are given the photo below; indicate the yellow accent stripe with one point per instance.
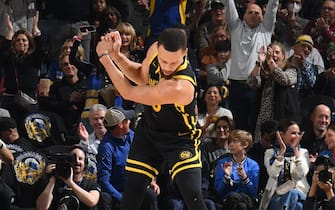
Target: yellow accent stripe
{"x": 139, "y": 171}
{"x": 182, "y": 12}
{"x": 135, "y": 162}
{"x": 184, "y": 65}
{"x": 199, "y": 165}
{"x": 152, "y": 7}
{"x": 196, "y": 157}
{"x": 185, "y": 78}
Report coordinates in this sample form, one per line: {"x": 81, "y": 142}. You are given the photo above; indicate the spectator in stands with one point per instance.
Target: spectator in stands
{"x": 72, "y": 192}
{"x": 67, "y": 96}
{"x": 68, "y": 16}
{"x": 205, "y": 31}
{"x": 210, "y": 110}
{"x": 112, "y": 156}
{"x": 276, "y": 79}
{"x": 287, "y": 165}
{"x": 6, "y": 193}
{"x": 213, "y": 149}
{"x": 289, "y": 12}
{"x": 306, "y": 71}
{"x": 294, "y": 30}
{"x": 322, "y": 28}
{"x": 325, "y": 82}
{"x": 314, "y": 137}
{"x": 109, "y": 20}
{"x": 258, "y": 148}
{"x": 97, "y": 7}
{"x": 237, "y": 174}
{"x": 244, "y": 54}
{"x": 218, "y": 72}
{"x": 96, "y": 119}
{"x": 54, "y": 72}
{"x": 321, "y": 193}
{"x": 207, "y": 55}
{"x": 20, "y": 59}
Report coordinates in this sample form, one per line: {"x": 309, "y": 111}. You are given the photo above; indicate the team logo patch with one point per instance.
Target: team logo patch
{"x": 185, "y": 155}
{"x": 29, "y": 167}
{"x": 38, "y": 127}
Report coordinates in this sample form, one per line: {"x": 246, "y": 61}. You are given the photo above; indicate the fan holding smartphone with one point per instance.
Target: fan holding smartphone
{"x": 87, "y": 28}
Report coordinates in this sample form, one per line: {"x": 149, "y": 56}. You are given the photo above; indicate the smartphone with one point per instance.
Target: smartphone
{"x": 87, "y": 28}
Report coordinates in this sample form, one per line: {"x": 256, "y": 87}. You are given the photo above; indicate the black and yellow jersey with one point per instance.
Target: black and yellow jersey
{"x": 173, "y": 118}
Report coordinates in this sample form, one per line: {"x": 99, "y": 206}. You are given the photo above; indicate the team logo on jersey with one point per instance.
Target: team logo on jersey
{"x": 38, "y": 127}
{"x": 29, "y": 167}
{"x": 185, "y": 155}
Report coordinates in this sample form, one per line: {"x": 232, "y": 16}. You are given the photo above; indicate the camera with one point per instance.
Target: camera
{"x": 64, "y": 162}
{"x": 325, "y": 176}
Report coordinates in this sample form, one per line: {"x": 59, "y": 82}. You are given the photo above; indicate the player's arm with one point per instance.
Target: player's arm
{"x": 132, "y": 70}
{"x": 178, "y": 91}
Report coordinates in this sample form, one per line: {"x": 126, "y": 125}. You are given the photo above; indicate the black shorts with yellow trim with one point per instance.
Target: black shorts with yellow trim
{"x": 150, "y": 148}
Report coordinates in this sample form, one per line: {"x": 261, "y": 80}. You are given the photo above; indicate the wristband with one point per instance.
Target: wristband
{"x": 102, "y": 55}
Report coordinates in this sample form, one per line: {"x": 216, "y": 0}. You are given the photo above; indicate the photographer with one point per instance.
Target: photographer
{"x": 72, "y": 192}
{"x": 321, "y": 193}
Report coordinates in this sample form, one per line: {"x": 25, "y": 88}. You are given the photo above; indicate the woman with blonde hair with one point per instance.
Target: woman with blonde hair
{"x": 276, "y": 80}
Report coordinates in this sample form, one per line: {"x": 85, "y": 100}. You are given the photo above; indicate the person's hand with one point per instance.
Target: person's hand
{"x": 321, "y": 24}
{"x": 227, "y": 168}
{"x": 76, "y": 96}
{"x": 36, "y": 30}
{"x": 10, "y": 28}
{"x": 82, "y": 132}
{"x": 50, "y": 168}
{"x": 69, "y": 180}
{"x": 155, "y": 187}
{"x": 241, "y": 171}
{"x": 296, "y": 141}
{"x": 269, "y": 55}
{"x": 326, "y": 187}
{"x": 110, "y": 43}
{"x": 330, "y": 72}
{"x": 281, "y": 144}
{"x": 261, "y": 54}
{"x": 81, "y": 35}
{"x": 144, "y": 3}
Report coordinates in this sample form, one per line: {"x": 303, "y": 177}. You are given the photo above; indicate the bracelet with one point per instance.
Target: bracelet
{"x": 102, "y": 55}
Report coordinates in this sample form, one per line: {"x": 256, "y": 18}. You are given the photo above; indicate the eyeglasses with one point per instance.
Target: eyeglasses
{"x": 327, "y": 8}
{"x": 224, "y": 127}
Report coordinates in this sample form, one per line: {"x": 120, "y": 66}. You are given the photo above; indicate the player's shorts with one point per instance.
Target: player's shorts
{"x": 150, "y": 148}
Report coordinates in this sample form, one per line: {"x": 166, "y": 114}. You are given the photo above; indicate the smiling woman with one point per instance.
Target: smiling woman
{"x": 21, "y": 55}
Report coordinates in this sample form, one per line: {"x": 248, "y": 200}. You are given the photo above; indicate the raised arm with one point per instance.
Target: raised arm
{"x": 110, "y": 45}
{"x": 175, "y": 90}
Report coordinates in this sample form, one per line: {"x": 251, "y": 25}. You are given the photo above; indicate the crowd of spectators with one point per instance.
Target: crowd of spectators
{"x": 265, "y": 74}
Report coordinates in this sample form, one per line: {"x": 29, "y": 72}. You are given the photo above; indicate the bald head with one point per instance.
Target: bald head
{"x": 253, "y": 15}
{"x": 321, "y": 117}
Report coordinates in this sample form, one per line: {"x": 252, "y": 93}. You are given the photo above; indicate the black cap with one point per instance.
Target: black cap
{"x": 325, "y": 159}
{"x": 6, "y": 123}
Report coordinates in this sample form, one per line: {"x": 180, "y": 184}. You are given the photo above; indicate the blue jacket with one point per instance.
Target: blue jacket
{"x": 224, "y": 189}
{"x": 111, "y": 163}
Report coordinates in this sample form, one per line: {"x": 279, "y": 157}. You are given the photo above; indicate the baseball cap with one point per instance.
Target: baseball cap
{"x": 216, "y": 4}
{"x": 6, "y": 123}
{"x": 305, "y": 39}
{"x": 331, "y": 48}
{"x": 116, "y": 115}
{"x": 4, "y": 113}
